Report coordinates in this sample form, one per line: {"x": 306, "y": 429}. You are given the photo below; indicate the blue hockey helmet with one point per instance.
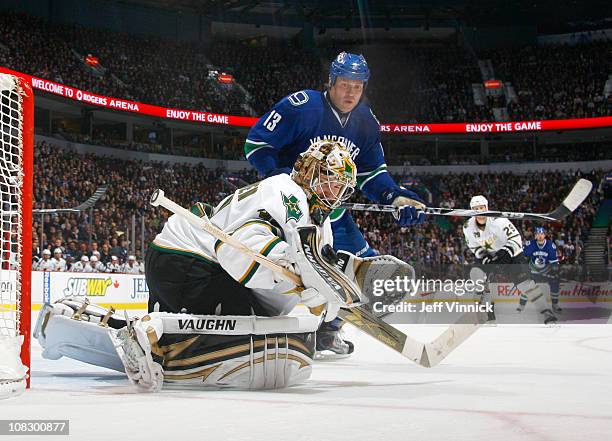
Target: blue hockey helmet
{"x": 540, "y": 230}
{"x": 351, "y": 66}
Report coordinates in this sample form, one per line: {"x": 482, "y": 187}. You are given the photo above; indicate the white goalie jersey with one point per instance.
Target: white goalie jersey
{"x": 498, "y": 233}
{"x": 264, "y": 216}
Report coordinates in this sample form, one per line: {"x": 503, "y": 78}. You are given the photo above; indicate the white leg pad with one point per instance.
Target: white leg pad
{"x": 224, "y": 351}
{"x": 62, "y": 336}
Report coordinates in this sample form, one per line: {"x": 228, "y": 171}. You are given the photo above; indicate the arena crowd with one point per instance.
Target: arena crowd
{"x": 436, "y": 79}
{"x": 105, "y": 233}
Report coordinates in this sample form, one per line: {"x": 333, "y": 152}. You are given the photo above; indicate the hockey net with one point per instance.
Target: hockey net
{"x": 16, "y": 175}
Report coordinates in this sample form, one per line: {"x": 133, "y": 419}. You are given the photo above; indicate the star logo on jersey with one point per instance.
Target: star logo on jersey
{"x": 488, "y": 244}
{"x": 348, "y": 169}
{"x": 292, "y": 206}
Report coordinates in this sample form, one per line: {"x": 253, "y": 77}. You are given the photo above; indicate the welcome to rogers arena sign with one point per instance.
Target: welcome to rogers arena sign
{"x": 119, "y": 104}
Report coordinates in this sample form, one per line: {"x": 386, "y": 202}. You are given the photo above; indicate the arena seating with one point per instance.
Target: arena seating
{"x": 409, "y": 83}
{"x": 64, "y": 179}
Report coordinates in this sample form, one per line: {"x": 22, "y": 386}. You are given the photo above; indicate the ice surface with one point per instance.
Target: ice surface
{"x": 505, "y": 383}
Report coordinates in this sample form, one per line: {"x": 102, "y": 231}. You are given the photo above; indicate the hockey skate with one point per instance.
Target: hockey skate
{"x": 489, "y": 319}
{"x": 556, "y": 309}
{"x": 330, "y": 342}
{"x": 549, "y": 317}
{"x": 139, "y": 366}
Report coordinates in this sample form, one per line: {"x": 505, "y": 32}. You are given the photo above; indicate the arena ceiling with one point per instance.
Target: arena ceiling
{"x": 319, "y": 12}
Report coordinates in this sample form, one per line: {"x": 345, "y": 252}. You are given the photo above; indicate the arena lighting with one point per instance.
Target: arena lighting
{"x": 492, "y": 84}
{"x": 476, "y": 128}
{"x": 225, "y": 78}
{"x": 92, "y": 60}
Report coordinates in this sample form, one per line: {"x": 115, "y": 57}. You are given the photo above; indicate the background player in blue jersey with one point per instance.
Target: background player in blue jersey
{"x": 544, "y": 264}
{"x": 338, "y": 113}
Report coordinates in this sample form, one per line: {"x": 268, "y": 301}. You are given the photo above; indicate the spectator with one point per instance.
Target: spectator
{"x": 437, "y": 242}
{"x": 105, "y": 254}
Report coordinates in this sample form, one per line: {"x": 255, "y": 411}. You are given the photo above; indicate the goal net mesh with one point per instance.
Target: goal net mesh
{"x": 12, "y": 172}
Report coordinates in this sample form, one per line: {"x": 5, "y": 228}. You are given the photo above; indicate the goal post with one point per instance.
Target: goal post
{"x": 16, "y": 194}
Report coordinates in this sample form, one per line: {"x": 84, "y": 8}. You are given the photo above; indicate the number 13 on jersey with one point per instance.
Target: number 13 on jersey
{"x": 272, "y": 120}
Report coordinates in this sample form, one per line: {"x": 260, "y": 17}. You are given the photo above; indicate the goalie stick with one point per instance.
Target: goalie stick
{"x": 424, "y": 354}
{"x": 89, "y": 203}
{"x": 84, "y": 206}
{"x": 576, "y": 196}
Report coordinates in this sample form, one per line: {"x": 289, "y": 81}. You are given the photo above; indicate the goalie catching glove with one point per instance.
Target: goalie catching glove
{"x": 366, "y": 271}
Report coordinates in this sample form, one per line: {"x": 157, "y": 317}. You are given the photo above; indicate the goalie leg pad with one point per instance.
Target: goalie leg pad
{"x": 225, "y": 351}
{"x": 79, "y": 330}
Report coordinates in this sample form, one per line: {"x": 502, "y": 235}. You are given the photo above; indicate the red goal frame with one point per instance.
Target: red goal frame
{"x": 25, "y": 297}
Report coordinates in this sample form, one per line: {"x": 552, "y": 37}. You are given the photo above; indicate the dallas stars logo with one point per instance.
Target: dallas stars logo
{"x": 488, "y": 244}
{"x": 348, "y": 169}
{"x": 293, "y": 208}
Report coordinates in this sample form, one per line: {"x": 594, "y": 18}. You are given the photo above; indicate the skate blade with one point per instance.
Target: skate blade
{"x": 329, "y": 356}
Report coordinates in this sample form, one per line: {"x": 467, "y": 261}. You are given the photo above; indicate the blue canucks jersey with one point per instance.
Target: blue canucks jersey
{"x": 540, "y": 256}
{"x": 307, "y": 116}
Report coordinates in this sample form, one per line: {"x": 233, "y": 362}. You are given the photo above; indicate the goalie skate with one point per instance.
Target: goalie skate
{"x": 331, "y": 344}
{"x": 135, "y": 353}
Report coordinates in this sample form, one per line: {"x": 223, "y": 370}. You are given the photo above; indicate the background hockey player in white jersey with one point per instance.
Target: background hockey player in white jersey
{"x": 496, "y": 241}
{"x": 45, "y": 263}
{"x": 82, "y": 266}
{"x": 132, "y": 266}
{"x": 114, "y": 266}
{"x": 58, "y": 260}
{"x": 96, "y": 265}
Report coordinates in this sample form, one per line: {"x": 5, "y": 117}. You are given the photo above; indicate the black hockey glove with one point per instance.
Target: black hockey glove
{"x": 500, "y": 257}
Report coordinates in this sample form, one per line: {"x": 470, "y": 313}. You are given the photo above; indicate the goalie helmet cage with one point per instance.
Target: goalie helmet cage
{"x": 16, "y": 185}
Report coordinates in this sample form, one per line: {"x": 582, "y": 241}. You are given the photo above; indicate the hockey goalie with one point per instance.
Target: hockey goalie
{"x": 216, "y": 316}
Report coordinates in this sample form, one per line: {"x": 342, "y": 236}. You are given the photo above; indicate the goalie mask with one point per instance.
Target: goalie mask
{"x": 328, "y": 174}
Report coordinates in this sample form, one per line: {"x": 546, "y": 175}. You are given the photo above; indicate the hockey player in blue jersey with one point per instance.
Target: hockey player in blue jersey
{"x": 544, "y": 264}
{"x": 338, "y": 113}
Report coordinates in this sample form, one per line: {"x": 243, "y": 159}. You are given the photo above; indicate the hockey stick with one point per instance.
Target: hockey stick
{"x": 84, "y": 206}
{"x": 426, "y": 355}
{"x": 576, "y": 196}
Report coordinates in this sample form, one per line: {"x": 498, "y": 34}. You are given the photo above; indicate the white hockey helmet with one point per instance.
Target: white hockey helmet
{"x": 131, "y": 257}
{"x": 46, "y": 252}
{"x": 93, "y": 258}
{"x": 57, "y": 251}
{"x": 327, "y": 171}
{"x": 84, "y": 258}
{"x": 478, "y": 201}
